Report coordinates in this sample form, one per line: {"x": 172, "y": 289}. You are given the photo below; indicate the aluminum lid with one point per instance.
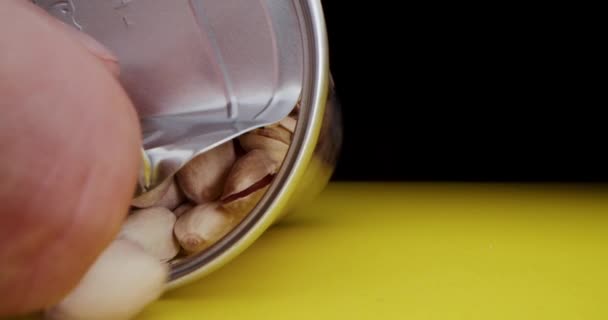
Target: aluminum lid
{"x": 199, "y": 72}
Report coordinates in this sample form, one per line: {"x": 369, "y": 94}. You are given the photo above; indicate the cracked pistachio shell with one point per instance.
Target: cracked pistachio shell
{"x": 274, "y": 148}
{"x": 288, "y": 123}
{"x": 240, "y": 207}
{"x": 247, "y": 171}
{"x": 202, "y": 178}
{"x": 276, "y": 132}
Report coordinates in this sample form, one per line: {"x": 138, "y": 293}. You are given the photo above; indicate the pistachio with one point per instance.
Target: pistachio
{"x": 252, "y": 168}
{"x": 151, "y": 197}
{"x": 182, "y": 209}
{"x": 202, "y": 178}
{"x": 121, "y": 282}
{"x": 275, "y": 132}
{"x": 172, "y": 198}
{"x": 152, "y": 228}
{"x": 247, "y": 182}
{"x": 241, "y": 206}
{"x": 202, "y": 226}
{"x": 274, "y": 148}
{"x": 210, "y": 194}
{"x": 288, "y": 123}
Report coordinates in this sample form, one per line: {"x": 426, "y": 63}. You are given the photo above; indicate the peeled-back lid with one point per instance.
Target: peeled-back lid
{"x": 199, "y": 72}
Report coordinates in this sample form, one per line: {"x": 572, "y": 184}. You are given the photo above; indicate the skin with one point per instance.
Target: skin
{"x": 69, "y": 143}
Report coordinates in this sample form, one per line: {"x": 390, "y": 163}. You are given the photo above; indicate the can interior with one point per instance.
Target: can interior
{"x": 315, "y": 55}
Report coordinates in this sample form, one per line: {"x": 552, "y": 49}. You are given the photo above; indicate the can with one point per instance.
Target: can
{"x": 308, "y": 165}
{"x": 162, "y": 45}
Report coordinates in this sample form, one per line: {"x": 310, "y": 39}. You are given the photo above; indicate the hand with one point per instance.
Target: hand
{"x": 69, "y": 143}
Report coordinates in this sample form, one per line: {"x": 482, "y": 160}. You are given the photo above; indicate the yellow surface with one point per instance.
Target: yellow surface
{"x": 417, "y": 251}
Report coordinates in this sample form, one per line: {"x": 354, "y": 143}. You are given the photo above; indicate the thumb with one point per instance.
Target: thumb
{"x": 103, "y": 55}
{"x": 70, "y": 143}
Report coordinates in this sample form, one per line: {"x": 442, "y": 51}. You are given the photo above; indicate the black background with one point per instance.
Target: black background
{"x": 455, "y": 94}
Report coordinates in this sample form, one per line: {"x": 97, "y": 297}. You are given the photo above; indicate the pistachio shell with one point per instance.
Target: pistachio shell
{"x": 240, "y": 207}
{"x": 288, "y": 123}
{"x": 247, "y": 182}
{"x": 172, "y": 198}
{"x": 151, "y": 197}
{"x": 275, "y": 132}
{"x": 277, "y": 155}
{"x": 152, "y": 229}
{"x": 121, "y": 282}
{"x": 182, "y": 209}
{"x": 201, "y": 227}
{"x": 275, "y": 149}
{"x": 247, "y": 171}
{"x": 202, "y": 178}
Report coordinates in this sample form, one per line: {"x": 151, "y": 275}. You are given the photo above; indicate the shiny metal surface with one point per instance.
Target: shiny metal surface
{"x": 309, "y": 162}
{"x": 199, "y": 72}
{"x": 326, "y": 153}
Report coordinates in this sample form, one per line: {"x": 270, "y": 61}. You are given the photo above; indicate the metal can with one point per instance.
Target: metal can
{"x": 308, "y": 165}
{"x": 189, "y": 66}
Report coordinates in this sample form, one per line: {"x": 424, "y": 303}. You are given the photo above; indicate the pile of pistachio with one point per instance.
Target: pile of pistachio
{"x": 185, "y": 215}
{"x": 210, "y": 195}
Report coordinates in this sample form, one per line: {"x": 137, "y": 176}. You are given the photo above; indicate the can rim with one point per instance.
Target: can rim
{"x": 274, "y": 201}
